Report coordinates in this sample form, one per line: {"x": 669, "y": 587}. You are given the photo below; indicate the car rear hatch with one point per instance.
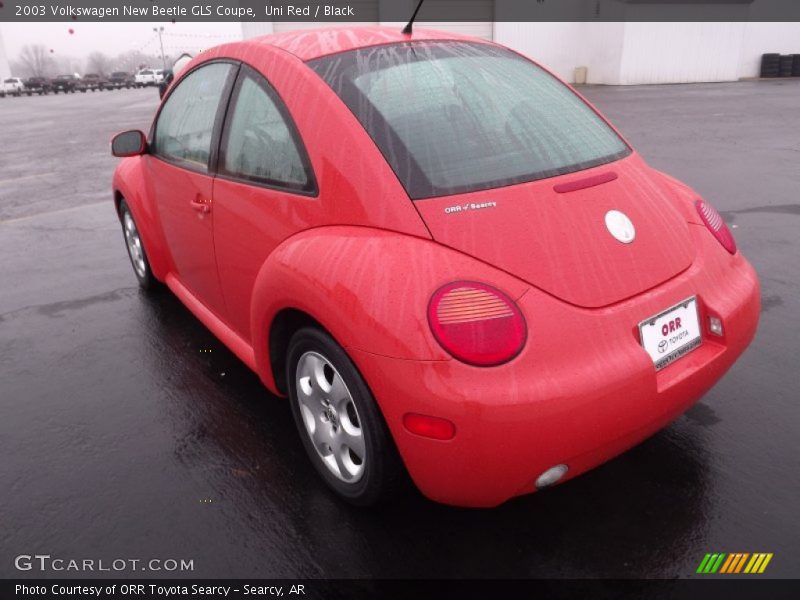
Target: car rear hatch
{"x": 552, "y": 233}
{"x": 507, "y": 164}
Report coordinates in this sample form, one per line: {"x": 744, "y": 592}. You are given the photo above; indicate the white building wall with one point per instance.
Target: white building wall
{"x": 626, "y": 53}
{"x": 681, "y": 52}
{"x": 759, "y": 38}
{"x": 251, "y": 30}
{"x": 629, "y": 53}
{"x": 561, "y": 47}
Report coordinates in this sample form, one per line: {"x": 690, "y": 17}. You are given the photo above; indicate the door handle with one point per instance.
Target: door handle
{"x": 201, "y": 205}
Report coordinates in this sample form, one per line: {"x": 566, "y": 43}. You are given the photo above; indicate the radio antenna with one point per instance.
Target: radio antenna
{"x": 408, "y": 29}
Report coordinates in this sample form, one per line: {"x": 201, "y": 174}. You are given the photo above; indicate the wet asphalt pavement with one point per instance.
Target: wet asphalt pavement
{"x": 128, "y": 431}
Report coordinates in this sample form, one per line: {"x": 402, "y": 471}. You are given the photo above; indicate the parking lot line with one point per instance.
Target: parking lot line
{"x": 52, "y": 212}
{"x": 26, "y": 177}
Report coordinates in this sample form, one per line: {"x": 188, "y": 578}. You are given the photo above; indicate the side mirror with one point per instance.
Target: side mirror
{"x": 129, "y": 143}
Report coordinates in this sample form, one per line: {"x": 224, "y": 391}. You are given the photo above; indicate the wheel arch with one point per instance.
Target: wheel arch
{"x": 129, "y": 185}
{"x": 284, "y": 325}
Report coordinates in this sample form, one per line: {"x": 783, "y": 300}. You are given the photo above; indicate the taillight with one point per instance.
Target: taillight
{"x": 476, "y": 323}
{"x": 716, "y": 225}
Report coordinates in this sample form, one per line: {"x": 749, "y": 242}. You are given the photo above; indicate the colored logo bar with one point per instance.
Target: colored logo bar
{"x": 733, "y": 563}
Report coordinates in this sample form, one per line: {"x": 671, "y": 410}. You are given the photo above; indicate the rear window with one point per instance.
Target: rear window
{"x": 11, "y": 81}
{"x": 457, "y": 117}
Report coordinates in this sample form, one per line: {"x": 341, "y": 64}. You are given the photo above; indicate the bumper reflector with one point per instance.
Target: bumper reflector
{"x": 551, "y": 476}
{"x": 430, "y": 427}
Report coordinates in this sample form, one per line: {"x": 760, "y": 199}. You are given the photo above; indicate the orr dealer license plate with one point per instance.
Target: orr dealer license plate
{"x": 671, "y": 334}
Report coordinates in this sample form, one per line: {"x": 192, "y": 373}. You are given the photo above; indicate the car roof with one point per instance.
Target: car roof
{"x": 308, "y": 44}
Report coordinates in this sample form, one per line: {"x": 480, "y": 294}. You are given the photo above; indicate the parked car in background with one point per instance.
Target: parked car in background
{"x": 121, "y": 79}
{"x": 37, "y": 85}
{"x": 69, "y": 84}
{"x": 145, "y": 77}
{"x": 12, "y": 86}
{"x": 93, "y": 82}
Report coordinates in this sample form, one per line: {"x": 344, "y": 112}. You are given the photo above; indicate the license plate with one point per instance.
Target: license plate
{"x": 671, "y": 334}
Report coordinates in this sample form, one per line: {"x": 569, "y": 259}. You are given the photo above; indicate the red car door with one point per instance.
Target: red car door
{"x": 182, "y": 150}
{"x": 265, "y": 190}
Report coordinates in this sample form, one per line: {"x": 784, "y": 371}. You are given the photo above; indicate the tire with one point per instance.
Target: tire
{"x": 135, "y": 248}
{"x": 368, "y": 470}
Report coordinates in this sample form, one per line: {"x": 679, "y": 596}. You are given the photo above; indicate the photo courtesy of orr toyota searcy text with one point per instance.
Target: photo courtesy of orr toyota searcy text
{"x": 158, "y": 591}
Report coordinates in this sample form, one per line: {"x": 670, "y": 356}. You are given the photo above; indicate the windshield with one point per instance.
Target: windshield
{"x": 457, "y": 117}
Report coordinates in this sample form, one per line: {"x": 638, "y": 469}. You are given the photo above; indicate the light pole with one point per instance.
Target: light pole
{"x": 159, "y": 31}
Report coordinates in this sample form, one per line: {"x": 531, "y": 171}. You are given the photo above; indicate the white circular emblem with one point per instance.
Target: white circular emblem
{"x": 620, "y": 226}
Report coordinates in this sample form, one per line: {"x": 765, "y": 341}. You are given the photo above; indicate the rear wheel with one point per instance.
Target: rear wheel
{"x": 136, "y": 252}
{"x": 341, "y": 427}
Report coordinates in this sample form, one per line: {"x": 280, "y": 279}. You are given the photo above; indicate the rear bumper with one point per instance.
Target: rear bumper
{"x": 581, "y": 392}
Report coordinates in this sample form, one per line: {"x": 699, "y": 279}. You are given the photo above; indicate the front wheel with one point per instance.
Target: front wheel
{"x": 340, "y": 424}
{"x": 136, "y": 252}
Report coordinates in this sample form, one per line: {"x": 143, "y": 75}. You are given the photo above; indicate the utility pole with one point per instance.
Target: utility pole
{"x": 159, "y": 31}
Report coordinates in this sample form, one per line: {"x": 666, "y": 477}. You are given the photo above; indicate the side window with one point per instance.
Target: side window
{"x": 186, "y": 122}
{"x": 260, "y": 143}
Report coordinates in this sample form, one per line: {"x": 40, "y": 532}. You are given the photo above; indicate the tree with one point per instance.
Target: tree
{"x": 133, "y": 60}
{"x": 67, "y": 64}
{"x": 99, "y": 63}
{"x": 35, "y": 60}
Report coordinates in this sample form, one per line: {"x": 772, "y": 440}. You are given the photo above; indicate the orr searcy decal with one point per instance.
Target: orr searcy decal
{"x": 468, "y": 207}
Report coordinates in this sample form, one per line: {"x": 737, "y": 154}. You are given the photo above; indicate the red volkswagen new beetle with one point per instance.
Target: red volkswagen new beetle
{"x": 443, "y": 255}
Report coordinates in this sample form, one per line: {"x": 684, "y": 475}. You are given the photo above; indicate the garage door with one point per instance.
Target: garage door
{"x": 367, "y": 9}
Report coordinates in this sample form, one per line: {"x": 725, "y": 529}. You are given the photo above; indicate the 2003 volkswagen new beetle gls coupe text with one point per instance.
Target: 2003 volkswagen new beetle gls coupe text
{"x": 444, "y": 256}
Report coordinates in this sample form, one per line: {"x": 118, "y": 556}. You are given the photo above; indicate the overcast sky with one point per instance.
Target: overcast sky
{"x": 114, "y": 38}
